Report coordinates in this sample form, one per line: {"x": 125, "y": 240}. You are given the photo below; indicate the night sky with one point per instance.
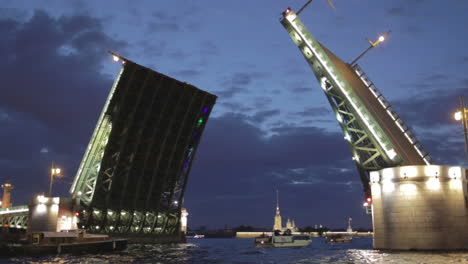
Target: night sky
{"x": 272, "y": 127}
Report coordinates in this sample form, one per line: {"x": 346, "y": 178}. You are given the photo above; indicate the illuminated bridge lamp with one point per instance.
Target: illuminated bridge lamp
{"x": 205, "y": 110}
{"x": 372, "y": 44}
{"x": 54, "y": 172}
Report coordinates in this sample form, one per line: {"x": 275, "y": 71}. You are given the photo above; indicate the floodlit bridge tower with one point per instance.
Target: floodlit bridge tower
{"x": 415, "y": 205}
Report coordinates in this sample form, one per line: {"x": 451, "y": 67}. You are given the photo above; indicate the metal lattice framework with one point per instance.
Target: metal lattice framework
{"x": 134, "y": 172}
{"x": 377, "y": 136}
{"x": 14, "y": 217}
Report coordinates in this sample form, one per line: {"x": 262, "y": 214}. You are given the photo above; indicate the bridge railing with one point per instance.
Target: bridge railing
{"x": 14, "y": 210}
{"x": 392, "y": 113}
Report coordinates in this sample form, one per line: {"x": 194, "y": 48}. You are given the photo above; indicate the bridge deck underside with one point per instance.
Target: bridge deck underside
{"x": 377, "y": 136}
{"x": 402, "y": 146}
{"x": 134, "y": 176}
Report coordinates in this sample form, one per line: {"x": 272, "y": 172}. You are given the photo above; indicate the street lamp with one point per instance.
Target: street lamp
{"x": 372, "y": 44}
{"x": 461, "y": 115}
{"x": 54, "y": 172}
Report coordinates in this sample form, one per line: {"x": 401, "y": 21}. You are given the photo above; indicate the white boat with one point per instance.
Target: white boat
{"x": 195, "y": 236}
{"x": 283, "y": 241}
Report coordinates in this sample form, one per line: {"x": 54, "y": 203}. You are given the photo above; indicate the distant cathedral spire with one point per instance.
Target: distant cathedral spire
{"x": 277, "y": 225}
{"x": 277, "y": 203}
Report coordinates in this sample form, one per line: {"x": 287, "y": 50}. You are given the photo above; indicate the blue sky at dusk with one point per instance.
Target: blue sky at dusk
{"x": 272, "y": 127}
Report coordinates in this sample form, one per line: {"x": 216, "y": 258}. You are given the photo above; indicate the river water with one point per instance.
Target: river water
{"x": 242, "y": 251}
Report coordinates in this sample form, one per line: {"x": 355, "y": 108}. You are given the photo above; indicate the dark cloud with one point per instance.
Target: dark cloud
{"x": 154, "y": 48}
{"x": 167, "y": 21}
{"x": 244, "y": 166}
{"x": 53, "y": 93}
{"x": 431, "y": 110}
{"x": 261, "y": 116}
{"x": 163, "y": 22}
{"x": 239, "y": 82}
{"x": 242, "y": 78}
{"x": 451, "y": 150}
{"x": 430, "y": 116}
{"x": 262, "y": 101}
{"x": 230, "y": 92}
{"x": 314, "y": 112}
{"x": 235, "y": 107}
{"x": 33, "y": 50}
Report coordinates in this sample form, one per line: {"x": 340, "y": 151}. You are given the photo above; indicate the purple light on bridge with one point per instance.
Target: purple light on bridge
{"x": 205, "y": 110}
{"x": 186, "y": 163}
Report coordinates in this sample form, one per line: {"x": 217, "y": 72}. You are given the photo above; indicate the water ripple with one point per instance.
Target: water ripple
{"x": 242, "y": 251}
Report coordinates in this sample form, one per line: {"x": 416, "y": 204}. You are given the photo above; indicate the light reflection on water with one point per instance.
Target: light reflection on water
{"x": 242, "y": 251}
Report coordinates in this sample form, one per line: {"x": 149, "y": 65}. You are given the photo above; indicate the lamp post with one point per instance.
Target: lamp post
{"x": 461, "y": 115}
{"x": 54, "y": 172}
{"x": 372, "y": 44}
{"x": 310, "y": 1}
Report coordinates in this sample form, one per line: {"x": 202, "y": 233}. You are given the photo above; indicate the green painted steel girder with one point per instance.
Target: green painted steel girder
{"x": 377, "y": 137}
{"x": 14, "y": 217}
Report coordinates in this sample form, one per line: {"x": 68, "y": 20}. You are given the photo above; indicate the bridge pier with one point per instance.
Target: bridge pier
{"x": 420, "y": 208}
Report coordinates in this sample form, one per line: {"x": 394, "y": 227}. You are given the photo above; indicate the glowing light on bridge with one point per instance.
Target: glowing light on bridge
{"x": 390, "y": 152}
{"x": 41, "y": 199}
{"x": 374, "y": 176}
{"x": 409, "y": 171}
{"x": 455, "y": 185}
{"x": 41, "y": 208}
{"x": 388, "y": 186}
{"x": 433, "y": 184}
{"x": 433, "y": 171}
{"x": 387, "y": 174}
{"x": 408, "y": 189}
{"x": 455, "y": 173}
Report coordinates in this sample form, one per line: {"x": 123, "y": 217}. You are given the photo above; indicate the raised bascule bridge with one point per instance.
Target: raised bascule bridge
{"x": 132, "y": 178}
{"x": 414, "y": 203}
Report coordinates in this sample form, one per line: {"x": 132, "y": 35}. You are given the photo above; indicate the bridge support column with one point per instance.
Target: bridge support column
{"x": 420, "y": 208}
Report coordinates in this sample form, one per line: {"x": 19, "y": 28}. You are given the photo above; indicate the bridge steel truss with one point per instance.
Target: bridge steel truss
{"x": 377, "y": 136}
{"x": 135, "y": 169}
{"x": 14, "y": 217}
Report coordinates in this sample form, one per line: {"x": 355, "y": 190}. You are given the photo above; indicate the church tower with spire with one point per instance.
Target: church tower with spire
{"x": 277, "y": 225}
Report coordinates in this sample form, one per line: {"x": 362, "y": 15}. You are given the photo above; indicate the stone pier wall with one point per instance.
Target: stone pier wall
{"x": 420, "y": 208}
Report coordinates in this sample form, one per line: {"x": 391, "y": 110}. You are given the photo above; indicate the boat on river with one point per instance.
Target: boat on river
{"x": 283, "y": 241}
{"x": 339, "y": 238}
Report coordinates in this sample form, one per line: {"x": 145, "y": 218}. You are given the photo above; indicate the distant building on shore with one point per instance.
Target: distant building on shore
{"x": 290, "y": 224}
